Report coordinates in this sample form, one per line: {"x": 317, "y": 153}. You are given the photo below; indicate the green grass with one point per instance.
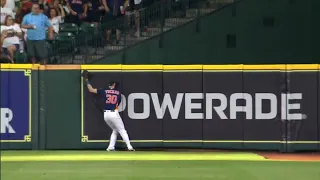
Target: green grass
{"x": 145, "y": 169}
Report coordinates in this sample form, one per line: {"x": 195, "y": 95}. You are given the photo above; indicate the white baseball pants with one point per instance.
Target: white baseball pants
{"x": 115, "y": 122}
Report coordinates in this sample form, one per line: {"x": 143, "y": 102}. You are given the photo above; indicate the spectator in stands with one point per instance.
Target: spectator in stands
{"x": 10, "y": 37}
{"x": 185, "y": 6}
{"x": 5, "y": 11}
{"x": 42, "y": 9}
{"x": 46, "y": 4}
{"x": 57, "y": 6}
{"x": 78, "y": 11}
{"x": 43, "y": 6}
{"x": 114, "y": 18}
{"x": 11, "y": 4}
{"x": 136, "y": 6}
{"x": 56, "y": 17}
{"x": 64, "y": 5}
{"x": 25, "y": 8}
{"x": 94, "y": 11}
{"x": 37, "y": 24}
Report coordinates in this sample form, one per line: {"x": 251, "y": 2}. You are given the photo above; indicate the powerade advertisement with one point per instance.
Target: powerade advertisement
{"x": 15, "y": 105}
{"x": 254, "y": 107}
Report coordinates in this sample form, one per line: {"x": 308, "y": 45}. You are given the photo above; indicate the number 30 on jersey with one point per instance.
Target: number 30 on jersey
{"x": 111, "y": 99}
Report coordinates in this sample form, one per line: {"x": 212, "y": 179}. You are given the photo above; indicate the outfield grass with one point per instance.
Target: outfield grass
{"x": 145, "y": 168}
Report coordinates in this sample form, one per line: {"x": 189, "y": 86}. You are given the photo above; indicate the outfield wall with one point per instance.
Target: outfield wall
{"x": 268, "y": 107}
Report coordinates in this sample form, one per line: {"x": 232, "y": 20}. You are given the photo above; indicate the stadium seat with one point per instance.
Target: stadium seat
{"x": 86, "y": 33}
{"x": 20, "y": 57}
{"x": 86, "y": 27}
{"x": 89, "y": 34}
{"x": 70, "y": 28}
{"x": 64, "y": 45}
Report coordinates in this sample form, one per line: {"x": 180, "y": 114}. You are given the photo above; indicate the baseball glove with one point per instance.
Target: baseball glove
{"x": 85, "y": 74}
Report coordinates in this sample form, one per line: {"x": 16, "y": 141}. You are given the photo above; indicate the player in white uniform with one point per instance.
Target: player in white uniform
{"x": 111, "y": 115}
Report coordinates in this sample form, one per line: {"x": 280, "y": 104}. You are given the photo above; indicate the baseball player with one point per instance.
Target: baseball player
{"x": 112, "y": 99}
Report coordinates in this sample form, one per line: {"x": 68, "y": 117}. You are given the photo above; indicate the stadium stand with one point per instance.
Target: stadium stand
{"x": 85, "y": 41}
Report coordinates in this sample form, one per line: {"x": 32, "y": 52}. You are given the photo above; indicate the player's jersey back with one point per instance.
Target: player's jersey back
{"x": 112, "y": 98}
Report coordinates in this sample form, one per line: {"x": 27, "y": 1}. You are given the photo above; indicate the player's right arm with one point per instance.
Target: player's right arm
{"x": 90, "y": 88}
{"x": 94, "y": 90}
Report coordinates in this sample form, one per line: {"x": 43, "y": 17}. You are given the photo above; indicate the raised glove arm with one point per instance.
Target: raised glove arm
{"x": 86, "y": 76}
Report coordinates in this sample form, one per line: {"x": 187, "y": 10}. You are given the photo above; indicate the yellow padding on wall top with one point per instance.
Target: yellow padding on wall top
{"x": 19, "y": 66}
{"x": 142, "y": 67}
{"x": 183, "y": 67}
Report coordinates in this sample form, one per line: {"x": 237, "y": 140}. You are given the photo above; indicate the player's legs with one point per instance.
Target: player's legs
{"x": 114, "y": 135}
{"x": 118, "y": 123}
{"x": 113, "y": 139}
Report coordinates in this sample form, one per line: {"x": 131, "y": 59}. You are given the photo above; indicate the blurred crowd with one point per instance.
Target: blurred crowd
{"x": 26, "y": 25}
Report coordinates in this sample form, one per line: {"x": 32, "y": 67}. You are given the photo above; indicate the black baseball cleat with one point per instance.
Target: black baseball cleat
{"x": 131, "y": 149}
{"x": 110, "y": 149}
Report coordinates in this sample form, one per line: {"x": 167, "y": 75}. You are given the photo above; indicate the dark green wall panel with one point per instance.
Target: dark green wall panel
{"x": 63, "y": 109}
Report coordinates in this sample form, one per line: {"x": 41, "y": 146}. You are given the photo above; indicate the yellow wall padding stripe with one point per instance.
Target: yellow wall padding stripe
{"x": 159, "y": 67}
